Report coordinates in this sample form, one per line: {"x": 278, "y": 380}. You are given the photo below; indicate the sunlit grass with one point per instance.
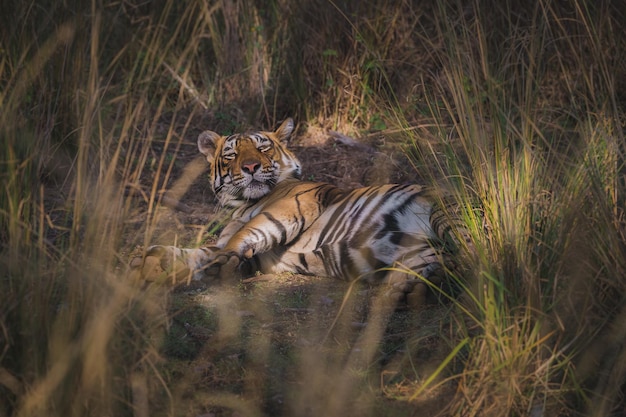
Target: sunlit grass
{"x": 546, "y": 179}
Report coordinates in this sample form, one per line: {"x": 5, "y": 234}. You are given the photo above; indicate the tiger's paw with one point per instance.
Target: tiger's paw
{"x": 411, "y": 290}
{"x": 410, "y": 293}
{"x": 161, "y": 264}
{"x": 225, "y": 267}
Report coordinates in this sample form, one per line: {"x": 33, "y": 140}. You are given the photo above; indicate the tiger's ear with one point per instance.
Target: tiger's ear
{"x": 207, "y": 143}
{"x": 285, "y": 130}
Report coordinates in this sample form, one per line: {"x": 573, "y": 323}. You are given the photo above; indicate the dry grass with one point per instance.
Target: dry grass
{"x": 517, "y": 109}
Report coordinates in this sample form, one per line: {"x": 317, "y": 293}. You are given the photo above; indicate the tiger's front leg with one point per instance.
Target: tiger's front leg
{"x": 274, "y": 227}
{"x": 176, "y": 265}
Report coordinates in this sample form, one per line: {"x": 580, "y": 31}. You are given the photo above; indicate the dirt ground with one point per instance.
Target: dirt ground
{"x": 293, "y": 345}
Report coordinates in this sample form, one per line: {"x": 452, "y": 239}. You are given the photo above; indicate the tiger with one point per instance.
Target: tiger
{"x": 392, "y": 234}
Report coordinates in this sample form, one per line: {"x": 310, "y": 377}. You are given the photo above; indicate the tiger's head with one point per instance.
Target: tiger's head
{"x": 247, "y": 166}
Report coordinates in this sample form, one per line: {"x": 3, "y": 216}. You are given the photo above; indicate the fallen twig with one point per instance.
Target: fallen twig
{"x": 348, "y": 141}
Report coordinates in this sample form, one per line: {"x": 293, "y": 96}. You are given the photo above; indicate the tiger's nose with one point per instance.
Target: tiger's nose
{"x": 250, "y": 166}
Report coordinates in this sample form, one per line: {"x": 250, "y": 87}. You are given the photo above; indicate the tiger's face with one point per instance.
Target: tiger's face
{"x": 247, "y": 166}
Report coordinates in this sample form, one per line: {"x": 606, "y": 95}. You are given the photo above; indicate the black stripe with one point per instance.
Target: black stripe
{"x": 279, "y": 226}
{"x": 330, "y": 263}
{"x": 342, "y": 218}
{"x": 329, "y": 194}
{"x": 390, "y": 223}
{"x": 347, "y": 265}
{"x": 303, "y": 262}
